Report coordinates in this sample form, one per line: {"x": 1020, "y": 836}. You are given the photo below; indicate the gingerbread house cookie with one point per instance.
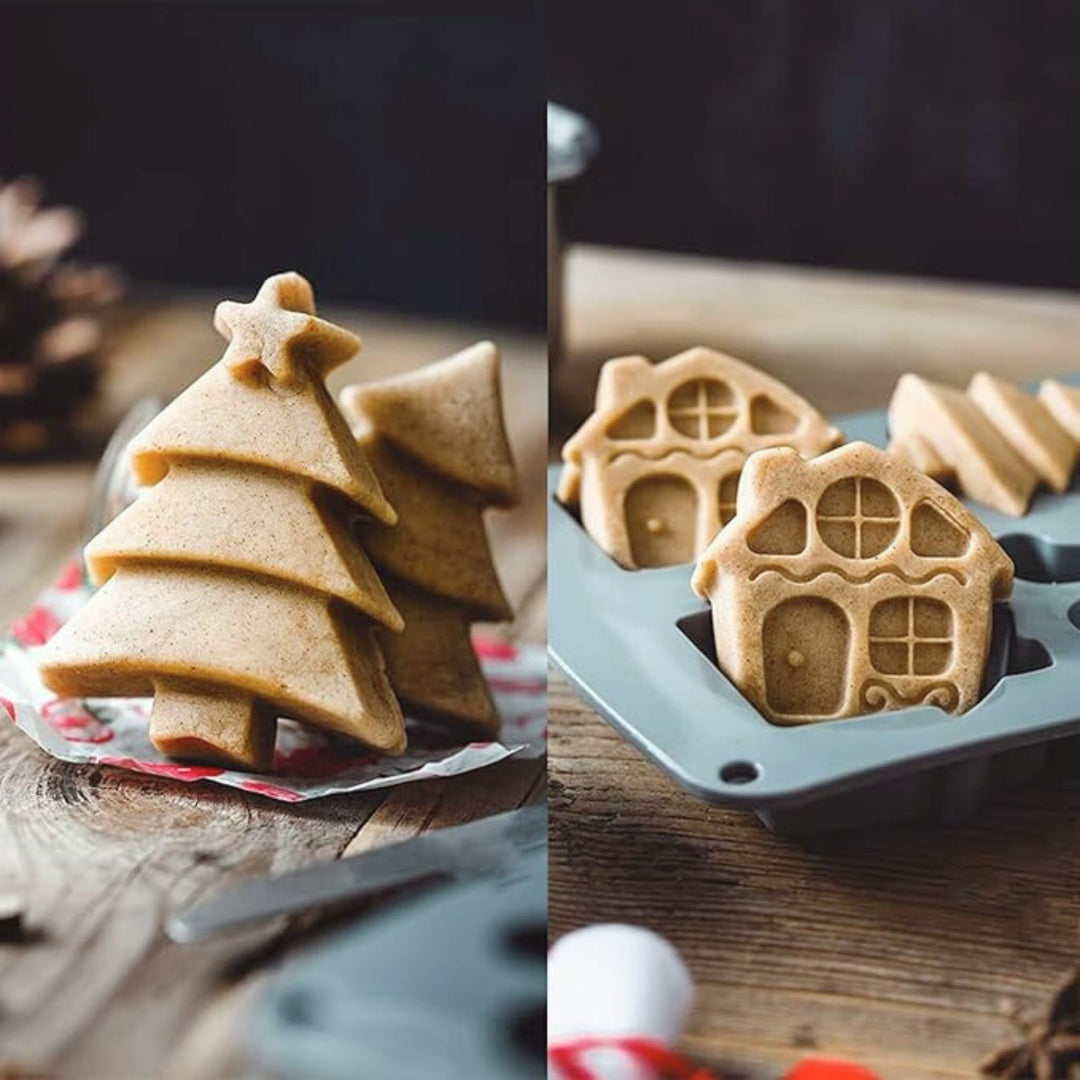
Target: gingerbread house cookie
{"x": 654, "y": 470}
{"x": 850, "y": 584}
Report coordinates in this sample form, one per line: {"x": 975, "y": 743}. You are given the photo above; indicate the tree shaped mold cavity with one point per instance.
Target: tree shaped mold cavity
{"x": 858, "y": 517}
{"x": 805, "y": 644}
{"x": 769, "y": 417}
{"x": 702, "y": 408}
{"x": 661, "y": 515}
{"x": 637, "y": 422}
{"x": 783, "y": 532}
{"x": 1040, "y": 560}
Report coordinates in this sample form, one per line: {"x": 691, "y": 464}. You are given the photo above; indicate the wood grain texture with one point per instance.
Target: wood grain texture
{"x": 102, "y": 857}
{"x": 443, "y": 803}
{"x": 811, "y": 328}
{"x": 892, "y": 946}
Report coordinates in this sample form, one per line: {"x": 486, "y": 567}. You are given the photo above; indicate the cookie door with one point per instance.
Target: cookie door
{"x": 805, "y": 645}
{"x": 661, "y": 520}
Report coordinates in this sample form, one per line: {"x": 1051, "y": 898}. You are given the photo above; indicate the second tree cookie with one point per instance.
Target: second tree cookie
{"x": 437, "y": 442}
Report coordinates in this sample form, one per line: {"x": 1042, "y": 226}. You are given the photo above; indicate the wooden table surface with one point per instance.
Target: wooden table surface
{"x": 102, "y": 857}
{"x": 899, "y": 947}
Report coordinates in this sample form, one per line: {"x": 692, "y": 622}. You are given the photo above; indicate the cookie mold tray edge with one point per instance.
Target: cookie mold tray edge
{"x": 634, "y": 645}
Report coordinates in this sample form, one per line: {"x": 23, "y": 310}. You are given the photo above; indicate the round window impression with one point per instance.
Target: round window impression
{"x": 858, "y": 517}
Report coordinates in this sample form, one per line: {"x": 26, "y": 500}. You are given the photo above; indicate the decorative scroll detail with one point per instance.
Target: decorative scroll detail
{"x": 878, "y": 695}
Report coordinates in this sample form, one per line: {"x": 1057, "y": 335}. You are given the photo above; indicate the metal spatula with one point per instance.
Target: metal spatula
{"x": 490, "y": 848}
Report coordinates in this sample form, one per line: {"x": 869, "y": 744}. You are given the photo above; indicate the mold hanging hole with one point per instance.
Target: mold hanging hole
{"x": 769, "y": 417}
{"x": 1042, "y": 561}
{"x": 637, "y": 422}
{"x": 297, "y": 1008}
{"x": 740, "y": 772}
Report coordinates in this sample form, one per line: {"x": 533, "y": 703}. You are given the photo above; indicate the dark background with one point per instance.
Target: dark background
{"x": 395, "y": 158}
{"x": 917, "y": 136}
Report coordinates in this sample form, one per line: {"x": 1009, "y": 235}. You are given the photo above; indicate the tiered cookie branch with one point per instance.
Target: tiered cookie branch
{"x": 995, "y": 441}
{"x": 437, "y": 443}
{"x": 235, "y": 590}
{"x": 50, "y": 337}
{"x": 655, "y": 468}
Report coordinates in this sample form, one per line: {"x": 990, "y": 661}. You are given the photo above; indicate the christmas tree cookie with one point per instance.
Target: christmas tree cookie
{"x": 1063, "y": 403}
{"x": 438, "y": 445}
{"x": 999, "y": 442}
{"x": 235, "y": 590}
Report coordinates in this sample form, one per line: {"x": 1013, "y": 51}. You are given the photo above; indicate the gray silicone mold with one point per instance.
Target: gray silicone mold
{"x": 637, "y": 646}
{"x": 450, "y": 984}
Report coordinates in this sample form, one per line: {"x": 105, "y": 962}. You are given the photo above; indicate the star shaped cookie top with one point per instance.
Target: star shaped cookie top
{"x": 279, "y": 331}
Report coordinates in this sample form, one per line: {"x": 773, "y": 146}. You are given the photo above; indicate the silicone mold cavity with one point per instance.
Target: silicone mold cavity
{"x": 1035, "y": 558}
{"x": 1009, "y": 653}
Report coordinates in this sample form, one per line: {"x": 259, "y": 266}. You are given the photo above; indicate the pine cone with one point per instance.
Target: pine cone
{"x": 50, "y": 336}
